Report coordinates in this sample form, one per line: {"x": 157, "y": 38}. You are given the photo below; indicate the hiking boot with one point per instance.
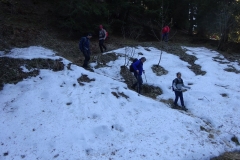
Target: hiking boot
{"x": 184, "y": 108}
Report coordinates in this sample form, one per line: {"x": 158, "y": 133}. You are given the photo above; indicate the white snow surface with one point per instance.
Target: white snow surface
{"x": 47, "y": 117}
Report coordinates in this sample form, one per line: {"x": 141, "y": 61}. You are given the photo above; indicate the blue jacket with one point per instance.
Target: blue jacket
{"x": 138, "y": 65}
{"x": 86, "y": 45}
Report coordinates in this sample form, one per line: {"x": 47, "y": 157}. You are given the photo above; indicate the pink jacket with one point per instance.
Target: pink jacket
{"x": 165, "y": 29}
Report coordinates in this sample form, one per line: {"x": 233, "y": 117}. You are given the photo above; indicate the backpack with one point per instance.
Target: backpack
{"x": 173, "y": 83}
{"x": 81, "y": 43}
{"x": 131, "y": 67}
{"x": 106, "y": 34}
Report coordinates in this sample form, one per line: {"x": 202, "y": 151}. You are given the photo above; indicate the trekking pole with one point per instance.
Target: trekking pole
{"x": 145, "y": 76}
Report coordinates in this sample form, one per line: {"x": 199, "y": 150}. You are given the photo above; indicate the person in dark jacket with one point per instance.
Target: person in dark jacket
{"x": 138, "y": 70}
{"x": 102, "y": 37}
{"x": 165, "y": 32}
{"x": 86, "y": 49}
{"x": 178, "y": 86}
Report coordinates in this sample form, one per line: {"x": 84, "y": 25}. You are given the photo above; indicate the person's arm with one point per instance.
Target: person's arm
{"x": 135, "y": 66}
{"x": 105, "y": 33}
{"x": 185, "y": 86}
{"x": 85, "y": 47}
{"x": 175, "y": 85}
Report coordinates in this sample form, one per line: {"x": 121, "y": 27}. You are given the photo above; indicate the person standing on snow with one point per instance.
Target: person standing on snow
{"x": 165, "y": 32}
{"x": 177, "y": 87}
{"x": 138, "y": 69}
{"x": 84, "y": 46}
{"x": 102, "y": 37}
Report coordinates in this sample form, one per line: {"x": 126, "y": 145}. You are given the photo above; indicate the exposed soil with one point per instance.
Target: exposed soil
{"x": 228, "y": 156}
{"x": 84, "y": 78}
{"x": 12, "y": 70}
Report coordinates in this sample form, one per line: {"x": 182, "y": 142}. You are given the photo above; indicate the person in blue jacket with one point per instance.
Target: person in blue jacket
{"x": 84, "y": 46}
{"x": 138, "y": 70}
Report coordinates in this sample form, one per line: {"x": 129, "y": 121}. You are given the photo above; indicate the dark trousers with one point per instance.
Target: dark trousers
{"x": 86, "y": 60}
{"x": 102, "y": 46}
{"x": 177, "y": 95}
{"x": 165, "y": 37}
{"x": 138, "y": 83}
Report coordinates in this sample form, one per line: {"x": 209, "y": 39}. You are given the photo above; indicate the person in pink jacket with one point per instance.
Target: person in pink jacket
{"x": 165, "y": 32}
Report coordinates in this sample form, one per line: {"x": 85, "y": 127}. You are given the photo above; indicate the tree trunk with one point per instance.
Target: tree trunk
{"x": 190, "y": 29}
{"x": 222, "y": 46}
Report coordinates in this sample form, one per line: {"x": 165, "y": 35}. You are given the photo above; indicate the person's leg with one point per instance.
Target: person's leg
{"x": 176, "y": 97}
{"x": 166, "y": 39}
{"x": 140, "y": 81}
{"x": 86, "y": 60}
{"x": 104, "y": 46}
{"x": 163, "y": 35}
{"x": 181, "y": 99}
{"x": 101, "y": 45}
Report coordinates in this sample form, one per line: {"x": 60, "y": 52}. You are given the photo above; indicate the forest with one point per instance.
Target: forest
{"x": 139, "y": 20}
{"x": 136, "y": 19}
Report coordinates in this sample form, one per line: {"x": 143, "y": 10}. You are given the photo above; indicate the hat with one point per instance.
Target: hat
{"x": 100, "y": 26}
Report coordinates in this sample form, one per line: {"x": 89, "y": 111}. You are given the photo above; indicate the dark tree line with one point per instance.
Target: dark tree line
{"x": 138, "y": 18}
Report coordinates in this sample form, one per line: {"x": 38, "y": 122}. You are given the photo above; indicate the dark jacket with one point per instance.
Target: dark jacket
{"x": 102, "y": 34}
{"x": 86, "y": 46}
{"x": 138, "y": 65}
{"x": 178, "y": 84}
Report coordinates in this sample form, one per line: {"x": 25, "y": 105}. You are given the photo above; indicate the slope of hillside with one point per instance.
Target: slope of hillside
{"x": 68, "y": 112}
